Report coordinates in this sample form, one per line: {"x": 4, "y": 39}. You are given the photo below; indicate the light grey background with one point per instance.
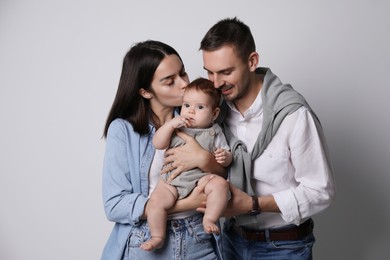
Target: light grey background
{"x": 60, "y": 63}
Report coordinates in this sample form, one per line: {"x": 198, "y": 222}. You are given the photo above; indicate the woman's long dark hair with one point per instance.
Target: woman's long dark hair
{"x": 139, "y": 66}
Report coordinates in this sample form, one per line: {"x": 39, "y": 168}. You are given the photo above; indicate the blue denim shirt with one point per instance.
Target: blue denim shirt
{"x": 127, "y": 160}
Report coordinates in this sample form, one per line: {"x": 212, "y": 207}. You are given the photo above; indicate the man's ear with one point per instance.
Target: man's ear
{"x": 145, "y": 94}
{"x": 253, "y": 61}
{"x": 216, "y": 113}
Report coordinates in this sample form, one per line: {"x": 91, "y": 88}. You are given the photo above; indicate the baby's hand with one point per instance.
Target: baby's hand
{"x": 179, "y": 122}
{"x": 223, "y": 157}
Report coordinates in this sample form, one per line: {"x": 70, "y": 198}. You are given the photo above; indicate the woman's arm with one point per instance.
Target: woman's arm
{"x": 121, "y": 203}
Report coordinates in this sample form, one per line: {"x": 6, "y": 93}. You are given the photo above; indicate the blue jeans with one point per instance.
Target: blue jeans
{"x": 185, "y": 239}
{"x": 235, "y": 247}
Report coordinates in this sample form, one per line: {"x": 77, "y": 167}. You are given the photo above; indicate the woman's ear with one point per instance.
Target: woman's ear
{"x": 145, "y": 94}
{"x": 253, "y": 61}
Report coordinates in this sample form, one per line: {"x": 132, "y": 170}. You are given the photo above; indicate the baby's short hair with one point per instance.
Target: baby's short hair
{"x": 207, "y": 87}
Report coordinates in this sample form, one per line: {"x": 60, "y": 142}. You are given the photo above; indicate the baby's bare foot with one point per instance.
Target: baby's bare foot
{"x": 152, "y": 243}
{"x": 210, "y": 227}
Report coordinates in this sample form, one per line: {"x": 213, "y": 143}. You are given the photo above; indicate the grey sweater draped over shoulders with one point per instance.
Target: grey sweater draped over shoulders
{"x": 278, "y": 101}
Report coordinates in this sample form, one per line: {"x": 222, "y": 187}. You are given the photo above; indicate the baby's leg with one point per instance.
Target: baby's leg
{"x": 217, "y": 190}
{"x": 162, "y": 198}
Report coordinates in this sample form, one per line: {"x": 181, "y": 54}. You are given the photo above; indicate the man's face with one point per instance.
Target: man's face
{"x": 228, "y": 72}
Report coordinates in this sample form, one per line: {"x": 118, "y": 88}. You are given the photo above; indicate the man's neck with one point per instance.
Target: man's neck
{"x": 244, "y": 103}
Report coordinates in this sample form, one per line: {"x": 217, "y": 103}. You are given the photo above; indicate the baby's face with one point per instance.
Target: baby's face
{"x": 197, "y": 107}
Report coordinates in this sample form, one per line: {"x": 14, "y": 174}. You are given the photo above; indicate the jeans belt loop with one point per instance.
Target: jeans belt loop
{"x": 266, "y": 233}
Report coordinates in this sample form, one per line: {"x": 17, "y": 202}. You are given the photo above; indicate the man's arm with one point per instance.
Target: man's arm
{"x": 241, "y": 203}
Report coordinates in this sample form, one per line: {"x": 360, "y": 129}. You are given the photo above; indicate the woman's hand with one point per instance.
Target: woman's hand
{"x": 189, "y": 156}
{"x": 183, "y": 158}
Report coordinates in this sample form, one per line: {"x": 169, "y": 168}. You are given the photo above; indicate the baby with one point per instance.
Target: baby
{"x": 199, "y": 110}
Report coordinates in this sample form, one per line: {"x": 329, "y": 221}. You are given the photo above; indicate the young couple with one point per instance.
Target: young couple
{"x": 279, "y": 178}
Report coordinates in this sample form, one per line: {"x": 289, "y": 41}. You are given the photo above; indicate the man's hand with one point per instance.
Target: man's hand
{"x": 239, "y": 203}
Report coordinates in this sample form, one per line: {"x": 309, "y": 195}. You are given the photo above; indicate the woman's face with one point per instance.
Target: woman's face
{"x": 169, "y": 82}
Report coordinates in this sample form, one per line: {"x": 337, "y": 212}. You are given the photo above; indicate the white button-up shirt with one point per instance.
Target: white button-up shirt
{"x": 293, "y": 168}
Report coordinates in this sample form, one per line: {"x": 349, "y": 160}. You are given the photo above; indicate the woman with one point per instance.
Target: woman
{"x": 151, "y": 86}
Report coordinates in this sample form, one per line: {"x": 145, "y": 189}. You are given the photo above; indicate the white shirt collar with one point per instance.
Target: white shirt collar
{"x": 254, "y": 110}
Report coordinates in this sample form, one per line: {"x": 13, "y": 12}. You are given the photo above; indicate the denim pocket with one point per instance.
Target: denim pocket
{"x": 138, "y": 235}
{"x": 301, "y": 248}
{"x": 196, "y": 230}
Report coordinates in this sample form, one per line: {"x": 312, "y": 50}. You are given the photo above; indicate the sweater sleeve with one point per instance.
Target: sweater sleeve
{"x": 123, "y": 202}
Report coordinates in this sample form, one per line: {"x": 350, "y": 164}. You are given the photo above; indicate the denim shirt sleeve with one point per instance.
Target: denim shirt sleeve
{"x": 123, "y": 201}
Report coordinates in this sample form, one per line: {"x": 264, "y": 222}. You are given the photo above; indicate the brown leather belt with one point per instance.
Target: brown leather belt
{"x": 294, "y": 233}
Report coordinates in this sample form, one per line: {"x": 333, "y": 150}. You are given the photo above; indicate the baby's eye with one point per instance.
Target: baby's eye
{"x": 186, "y": 105}
{"x": 200, "y": 107}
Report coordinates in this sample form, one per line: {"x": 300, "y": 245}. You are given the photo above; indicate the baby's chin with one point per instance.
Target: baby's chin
{"x": 199, "y": 126}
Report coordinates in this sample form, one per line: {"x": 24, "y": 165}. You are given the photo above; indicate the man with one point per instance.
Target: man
{"x": 281, "y": 173}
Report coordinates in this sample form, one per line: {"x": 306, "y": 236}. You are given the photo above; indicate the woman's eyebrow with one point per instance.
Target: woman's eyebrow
{"x": 167, "y": 77}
